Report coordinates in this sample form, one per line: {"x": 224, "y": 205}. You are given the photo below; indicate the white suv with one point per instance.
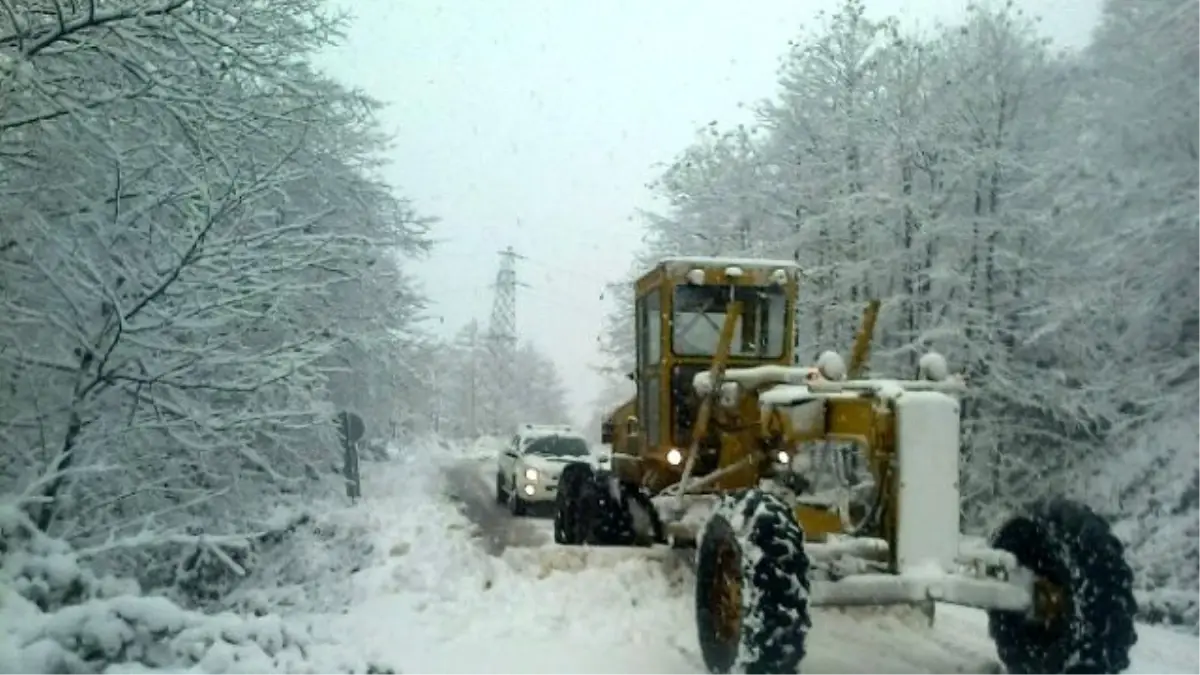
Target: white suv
{"x": 528, "y": 467}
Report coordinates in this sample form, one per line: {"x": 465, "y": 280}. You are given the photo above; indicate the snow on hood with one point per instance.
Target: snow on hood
{"x": 556, "y": 461}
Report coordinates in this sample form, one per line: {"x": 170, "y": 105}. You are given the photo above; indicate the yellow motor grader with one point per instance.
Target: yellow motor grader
{"x": 805, "y": 486}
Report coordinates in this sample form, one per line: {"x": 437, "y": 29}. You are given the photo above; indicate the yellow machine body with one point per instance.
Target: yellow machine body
{"x": 868, "y": 466}
{"x": 750, "y": 323}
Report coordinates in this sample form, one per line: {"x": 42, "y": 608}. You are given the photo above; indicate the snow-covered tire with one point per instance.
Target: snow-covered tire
{"x": 1066, "y": 544}
{"x": 753, "y": 542}
{"x": 641, "y": 526}
{"x": 568, "y": 504}
{"x": 596, "y": 508}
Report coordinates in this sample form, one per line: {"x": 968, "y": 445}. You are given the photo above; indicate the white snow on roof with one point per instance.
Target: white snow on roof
{"x": 541, "y": 430}
{"x": 755, "y": 376}
{"x": 755, "y": 263}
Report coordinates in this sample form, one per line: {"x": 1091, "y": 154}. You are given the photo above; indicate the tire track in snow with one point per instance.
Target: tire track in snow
{"x": 593, "y": 611}
{"x": 496, "y": 528}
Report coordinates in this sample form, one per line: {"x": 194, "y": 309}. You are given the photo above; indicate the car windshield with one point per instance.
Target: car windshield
{"x": 557, "y": 446}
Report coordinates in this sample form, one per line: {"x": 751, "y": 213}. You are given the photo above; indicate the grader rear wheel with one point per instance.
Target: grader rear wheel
{"x": 597, "y": 509}
{"x": 752, "y": 586}
{"x": 1083, "y": 618}
{"x": 568, "y": 504}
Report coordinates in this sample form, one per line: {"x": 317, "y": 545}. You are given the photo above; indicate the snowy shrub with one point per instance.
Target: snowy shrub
{"x": 1165, "y": 605}
{"x": 311, "y": 568}
{"x": 61, "y": 618}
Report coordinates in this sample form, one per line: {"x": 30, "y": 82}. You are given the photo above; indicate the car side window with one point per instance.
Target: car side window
{"x": 514, "y": 448}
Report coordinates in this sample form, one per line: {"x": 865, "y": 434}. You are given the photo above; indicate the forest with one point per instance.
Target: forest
{"x": 200, "y": 264}
{"x": 1029, "y": 212}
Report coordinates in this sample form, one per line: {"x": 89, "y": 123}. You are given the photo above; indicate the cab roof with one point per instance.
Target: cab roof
{"x": 753, "y": 263}
{"x": 739, "y": 271}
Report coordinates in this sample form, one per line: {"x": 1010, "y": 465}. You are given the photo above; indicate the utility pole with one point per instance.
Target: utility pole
{"x": 502, "y": 342}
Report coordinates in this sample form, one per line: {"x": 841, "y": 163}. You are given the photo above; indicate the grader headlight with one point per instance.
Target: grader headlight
{"x": 696, "y": 277}
{"x": 674, "y": 457}
{"x": 779, "y": 277}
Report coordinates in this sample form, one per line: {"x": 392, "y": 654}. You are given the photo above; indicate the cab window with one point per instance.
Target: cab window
{"x": 649, "y": 329}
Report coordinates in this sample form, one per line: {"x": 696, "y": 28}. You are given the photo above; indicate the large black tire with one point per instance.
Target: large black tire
{"x": 753, "y": 542}
{"x": 1069, "y": 546}
{"x": 596, "y": 508}
{"x": 568, "y": 504}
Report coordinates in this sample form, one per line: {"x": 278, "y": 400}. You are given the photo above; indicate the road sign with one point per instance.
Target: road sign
{"x": 350, "y": 426}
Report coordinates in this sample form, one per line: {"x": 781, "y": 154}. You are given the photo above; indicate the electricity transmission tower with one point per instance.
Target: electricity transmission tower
{"x": 502, "y": 344}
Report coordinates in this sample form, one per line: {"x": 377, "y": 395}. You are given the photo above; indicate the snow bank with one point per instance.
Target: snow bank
{"x": 310, "y": 569}
{"x": 59, "y": 617}
{"x": 485, "y": 448}
{"x": 313, "y": 568}
{"x": 441, "y": 603}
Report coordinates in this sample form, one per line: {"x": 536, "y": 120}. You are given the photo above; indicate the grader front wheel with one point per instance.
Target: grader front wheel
{"x": 752, "y": 587}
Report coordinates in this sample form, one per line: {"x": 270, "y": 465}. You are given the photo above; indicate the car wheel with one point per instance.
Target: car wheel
{"x": 516, "y": 505}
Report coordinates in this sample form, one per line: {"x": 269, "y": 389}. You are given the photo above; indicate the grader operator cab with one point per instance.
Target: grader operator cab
{"x": 807, "y": 486}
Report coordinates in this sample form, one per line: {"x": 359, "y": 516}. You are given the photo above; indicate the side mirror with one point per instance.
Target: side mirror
{"x": 631, "y": 376}
{"x": 631, "y": 425}
{"x": 606, "y": 431}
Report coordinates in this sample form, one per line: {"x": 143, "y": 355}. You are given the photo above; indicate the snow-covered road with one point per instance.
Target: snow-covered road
{"x": 467, "y": 588}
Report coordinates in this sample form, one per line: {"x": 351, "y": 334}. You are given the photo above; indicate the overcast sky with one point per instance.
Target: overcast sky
{"x": 537, "y": 124}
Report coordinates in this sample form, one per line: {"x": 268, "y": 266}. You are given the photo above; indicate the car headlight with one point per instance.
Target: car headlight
{"x": 531, "y": 474}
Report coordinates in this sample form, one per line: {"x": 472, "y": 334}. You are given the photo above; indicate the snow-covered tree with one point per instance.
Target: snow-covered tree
{"x": 198, "y": 265}
{"x": 1030, "y": 214}
{"x": 539, "y": 394}
{"x": 462, "y": 380}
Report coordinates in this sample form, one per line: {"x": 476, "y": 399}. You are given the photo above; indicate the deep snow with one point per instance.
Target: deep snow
{"x": 442, "y": 602}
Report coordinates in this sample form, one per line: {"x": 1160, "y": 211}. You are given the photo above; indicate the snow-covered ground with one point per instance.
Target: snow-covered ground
{"x": 455, "y": 597}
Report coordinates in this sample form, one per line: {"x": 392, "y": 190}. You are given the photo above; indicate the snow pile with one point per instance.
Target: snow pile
{"x": 485, "y": 448}
{"x": 60, "y": 617}
{"x": 444, "y": 600}
{"x": 333, "y": 558}
{"x": 1150, "y": 493}
{"x": 311, "y": 568}
{"x": 442, "y": 603}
